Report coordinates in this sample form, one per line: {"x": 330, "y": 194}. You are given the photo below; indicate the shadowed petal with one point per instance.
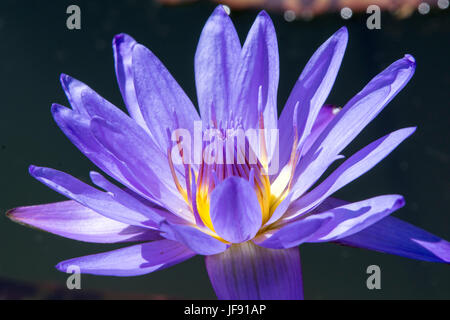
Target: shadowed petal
{"x": 394, "y": 236}
{"x": 131, "y": 200}
{"x": 193, "y": 238}
{"x": 352, "y": 168}
{"x": 327, "y": 204}
{"x": 235, "y": 210}
{"x": 76, "y": 125}
{"x": 72, "y": 220}
{"x": 350, "y": 121}
{"x": 249, "y": 272}
{"x": 216, "y": 63}
{"x": 163, "y": 103}
{"x": 311, "y": 90}
{"x": 86, "y": 101}
{"x": 354, "y": 217}
{"x": 77, "y": 128}
{"x": 326, "y": 114}
{"x": 73, "y": 89}
{"x": 123, "y": 55}
{"x": 92, "y": 198}
{"x": 259, "y": 68}
{"x": 280, "y": 210}
{"x": 131, "y": 145}
{"x": 294, "y": 233}
{"x": 131, "y": 261}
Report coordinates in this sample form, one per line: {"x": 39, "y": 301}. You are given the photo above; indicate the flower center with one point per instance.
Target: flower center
{"x": 226, "y": 153}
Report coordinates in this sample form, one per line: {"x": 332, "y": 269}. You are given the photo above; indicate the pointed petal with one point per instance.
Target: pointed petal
{"x": 193, "y": 238}
{"x": 216, "y": 63}
{"x": 352, "y": 168}
{"x": 294, "y": 233}
{"x": 92, "y": 198}
{"x": 259, "y": 68}
{"x": 74, "y": 89}
{"x": 163, "y": 103}
{"x": 235, "y": 211}
{"x": 131, "y": 261}
{"x": 131, "y": 200}
{"x": 72, "y": 220}
{"x": 354, "y": 217}
{"x": 88, "y": 104}
{"x": 77, "y": 128}
{"x": 394, "y": 236}
{"x": 311, "y": 91}
{"x": 123, "y": 55}
{"x": 248, "y": 272}
{"x": 350, "y": 121}
{"x": 326, "y": 114}
{"x": 280, "y": 210}
{"x": 131, "y": 145}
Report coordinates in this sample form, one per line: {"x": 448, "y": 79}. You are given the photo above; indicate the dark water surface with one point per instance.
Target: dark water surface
{"x": 36, "y": 47}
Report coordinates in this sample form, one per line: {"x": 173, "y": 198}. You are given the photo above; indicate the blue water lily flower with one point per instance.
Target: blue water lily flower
{"x": 246, "y": 221}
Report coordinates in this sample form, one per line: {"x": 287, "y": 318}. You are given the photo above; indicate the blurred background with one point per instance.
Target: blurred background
{"x": 36, "y": 47}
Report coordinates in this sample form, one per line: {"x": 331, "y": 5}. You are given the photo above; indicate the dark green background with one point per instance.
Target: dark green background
{"x": 36, "y": 46}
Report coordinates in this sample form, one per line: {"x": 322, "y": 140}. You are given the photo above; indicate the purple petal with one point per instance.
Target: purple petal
{"x": 99, "y": 108}
{"x": 86, "y": 101}
{"x": 76, "y": 125}
{"x": 354, "y": 217}
{"x": 72, "y": 220}
{"x": 123, "y": 55}
{"x": 355, "y": 166}
{"x": 311, "y": 91}
{"x": 193, "y": 238}
{"x": 280, "y": 210}
{"x": 95, "y": 106}
{"x": 163, "y": 103}
{"x": 394, "y": 236}
{"x": 77, "y": 128}
{"x": 294, "y": 233}
{"x": 328, "y": 204}
{"x": 216, "y": 63}
{"x": 74, "y": 89}
{"x": 131, "y": 261}
{"x": 92, "y": 198}
{"x": 350, "y": 121}
{"x": 131, "y": 200}
{"x": 250, "y": 272}
{"x": 259, "y": 68}
{"x": 235, "y": 211}
{"x": 326, "y": 114}
{"x": 131, "y": 145}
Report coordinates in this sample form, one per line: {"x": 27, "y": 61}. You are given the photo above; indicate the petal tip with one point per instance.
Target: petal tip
{"x": 264, "y": 18}
{"x": 10, "y": 214}
{"x": 17, "y": 215}
{"x": 35, "y": 171}
{"x": 94, "y": 174}
{"x": 56, "y": 108}
{"x": 400, "y": 203}
{"x": 343, "y": 31}
{"x": 410, "y": 59}
{"x": 411, "y": 130}
{"x": 341, "y": 36}
{"x": 32, "y": 169}
{"x": 121, "y": 38}
{"x": 65, "y": 79}
{"x": 220, "y": 10}
{"x": 61, "y": 267}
